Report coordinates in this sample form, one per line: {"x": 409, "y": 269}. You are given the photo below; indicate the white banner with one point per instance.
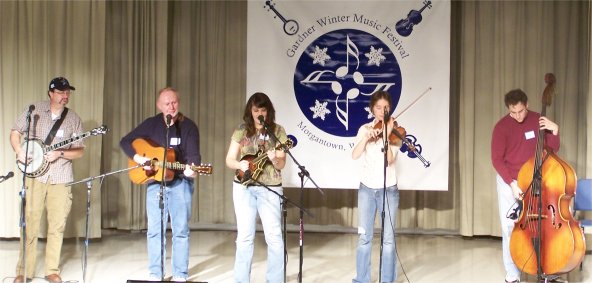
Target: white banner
{"x": 319, "y": 62}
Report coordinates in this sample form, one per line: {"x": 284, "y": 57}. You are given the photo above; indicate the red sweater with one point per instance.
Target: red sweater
{"x": 513, "y": 143}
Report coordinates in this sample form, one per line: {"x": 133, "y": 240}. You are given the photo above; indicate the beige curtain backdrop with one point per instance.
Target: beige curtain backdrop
{"x": 40, "y": 41}
{"x": 119, "y": 53}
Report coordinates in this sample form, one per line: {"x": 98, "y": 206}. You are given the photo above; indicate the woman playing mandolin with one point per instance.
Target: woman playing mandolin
{"x": 254, "y": 153}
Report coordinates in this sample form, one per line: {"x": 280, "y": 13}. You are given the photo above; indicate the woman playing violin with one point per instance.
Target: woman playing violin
{"x": 369, "y": 152}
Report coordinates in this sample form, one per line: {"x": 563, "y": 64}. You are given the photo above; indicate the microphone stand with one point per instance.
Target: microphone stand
{"x": 303, "y": 172}
{"x": 8, "y": 176}
{"x": 161, "y": 197}
{"x": 88, "y": 187}
{"x": 23, "y": 194}
{"x": 382, "y": 215}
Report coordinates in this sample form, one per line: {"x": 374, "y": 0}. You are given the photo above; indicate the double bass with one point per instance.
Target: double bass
{"x": 546, "y": 239}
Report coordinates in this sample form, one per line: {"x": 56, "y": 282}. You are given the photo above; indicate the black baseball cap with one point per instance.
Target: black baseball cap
{"x": 60, "y": 83}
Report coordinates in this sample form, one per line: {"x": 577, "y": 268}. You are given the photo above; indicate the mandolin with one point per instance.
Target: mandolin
{"x": 256, "y": 163}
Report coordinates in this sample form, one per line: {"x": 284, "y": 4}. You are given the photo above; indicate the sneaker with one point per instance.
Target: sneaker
{"x": 517, "y": 280}
{"x": 179, "y": 279}
{"x": 153, "y": 278}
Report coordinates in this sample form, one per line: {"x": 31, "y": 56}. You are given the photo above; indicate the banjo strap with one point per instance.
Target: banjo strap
{"x": 55, "y": 127}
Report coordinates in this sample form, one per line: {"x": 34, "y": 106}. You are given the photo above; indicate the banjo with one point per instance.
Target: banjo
{"x": 37, "y": 165}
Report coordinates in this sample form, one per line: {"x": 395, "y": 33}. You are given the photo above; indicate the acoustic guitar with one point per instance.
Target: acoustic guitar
{"x": 148, "y": 148}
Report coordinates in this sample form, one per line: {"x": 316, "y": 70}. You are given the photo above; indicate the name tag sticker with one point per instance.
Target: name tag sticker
{"x": 60, "y": 133}
{"x": 175, "y": 141}
{"x": 529, "y": 135}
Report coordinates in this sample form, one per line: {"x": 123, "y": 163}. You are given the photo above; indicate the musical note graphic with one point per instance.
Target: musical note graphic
{"x": 342, "y": 104}
{"x": 290, "y": 26}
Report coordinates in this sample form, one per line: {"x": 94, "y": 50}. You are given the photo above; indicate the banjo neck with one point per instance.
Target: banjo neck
{"x": 65, "y": 142}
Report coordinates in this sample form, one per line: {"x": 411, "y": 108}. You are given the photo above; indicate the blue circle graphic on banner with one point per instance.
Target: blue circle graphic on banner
{"x": 336, "y": 75}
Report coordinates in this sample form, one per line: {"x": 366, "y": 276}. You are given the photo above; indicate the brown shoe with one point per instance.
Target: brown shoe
{"x": 53, "y": 278}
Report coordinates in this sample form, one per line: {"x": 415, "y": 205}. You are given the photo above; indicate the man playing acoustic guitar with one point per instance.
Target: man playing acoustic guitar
{"x": 183, "y": 138}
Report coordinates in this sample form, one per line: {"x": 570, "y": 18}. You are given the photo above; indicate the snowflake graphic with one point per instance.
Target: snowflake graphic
{"x": 319, "y": 56}
{"x": 370, "y": 115}
{"x": 375, "y": 56}
{"x": 319, "y": 110}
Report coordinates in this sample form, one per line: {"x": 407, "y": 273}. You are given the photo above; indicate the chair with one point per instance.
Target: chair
{"x": 583, "y": 202}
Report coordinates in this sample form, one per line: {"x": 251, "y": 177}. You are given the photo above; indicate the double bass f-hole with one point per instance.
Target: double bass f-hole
{"x": 553, "y": 213}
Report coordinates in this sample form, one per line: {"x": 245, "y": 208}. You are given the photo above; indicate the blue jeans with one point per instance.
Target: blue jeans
{"x": 177, "y": 204}
{"x": 506, "y": 200}
{"x": 369, "y": 203}
{"x": 248, "y": 201}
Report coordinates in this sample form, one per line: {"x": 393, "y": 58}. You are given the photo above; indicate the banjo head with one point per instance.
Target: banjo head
{"x": 37, "y": 163}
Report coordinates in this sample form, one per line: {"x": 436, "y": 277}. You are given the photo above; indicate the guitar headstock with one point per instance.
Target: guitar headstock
{"x": 203, "y": 169}
{"x": 99, "y": 130}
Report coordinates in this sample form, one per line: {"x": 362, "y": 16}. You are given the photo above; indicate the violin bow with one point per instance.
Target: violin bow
{"x": 413, "y": 102}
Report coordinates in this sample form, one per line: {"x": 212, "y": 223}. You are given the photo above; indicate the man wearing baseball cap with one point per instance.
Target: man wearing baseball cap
{"x": 51, "y": 122}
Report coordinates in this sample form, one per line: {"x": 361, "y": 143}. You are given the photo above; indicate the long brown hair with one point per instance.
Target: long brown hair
{"x": 259, "y": 100}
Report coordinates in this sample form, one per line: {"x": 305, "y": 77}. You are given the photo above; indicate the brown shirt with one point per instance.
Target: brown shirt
{"x": 42, "y": 121}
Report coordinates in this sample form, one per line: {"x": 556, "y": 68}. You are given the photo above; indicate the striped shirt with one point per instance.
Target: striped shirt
{"x": 60, "y": 170}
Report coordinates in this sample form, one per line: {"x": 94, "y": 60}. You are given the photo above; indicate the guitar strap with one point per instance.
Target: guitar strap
{"x": 55, "y": 127}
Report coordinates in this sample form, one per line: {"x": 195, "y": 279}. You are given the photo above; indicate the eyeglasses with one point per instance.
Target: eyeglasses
{"x": 62, "y": 92}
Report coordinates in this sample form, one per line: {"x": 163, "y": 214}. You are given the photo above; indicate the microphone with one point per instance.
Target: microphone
{"x": 168, "y": 120}
{"x": 8, "y": 176}
{"x": 262, "y": 121}
{"x": 31, "y": 108}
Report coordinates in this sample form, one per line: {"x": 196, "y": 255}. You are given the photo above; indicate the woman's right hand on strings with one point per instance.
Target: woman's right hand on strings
{"x": 243, "y": 165}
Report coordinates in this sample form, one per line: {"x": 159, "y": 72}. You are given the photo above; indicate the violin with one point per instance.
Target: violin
{"x": 397, "y": 137}
{"x": 394, "y": 138}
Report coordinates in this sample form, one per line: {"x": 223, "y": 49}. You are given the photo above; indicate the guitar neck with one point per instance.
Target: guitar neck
{"x": 177, "y": 166}
{"x": 67, "y": 142}
{"x": 171, "y": 165}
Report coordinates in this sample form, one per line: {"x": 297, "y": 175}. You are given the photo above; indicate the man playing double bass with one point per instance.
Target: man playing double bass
{"x": 513, "y": 142}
